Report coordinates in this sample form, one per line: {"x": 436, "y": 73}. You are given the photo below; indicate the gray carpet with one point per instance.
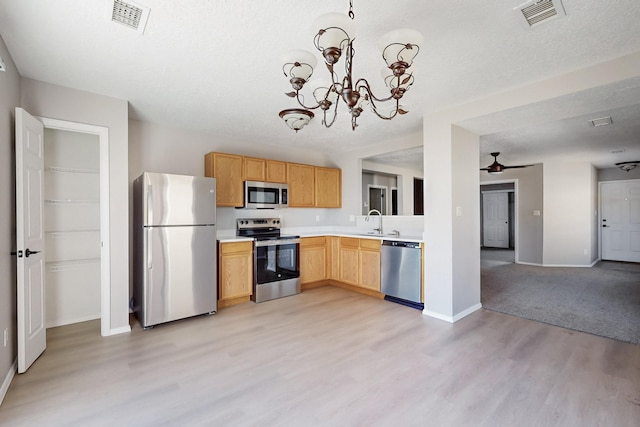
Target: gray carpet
{"x": 603, "y": 300}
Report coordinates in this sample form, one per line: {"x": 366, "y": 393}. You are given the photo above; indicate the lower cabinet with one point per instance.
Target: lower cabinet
{"x": 360, "y": 262}
{"x": 235, "y": 272}
{"x": 369, "y": 264}
{"x": 313, "y": 259}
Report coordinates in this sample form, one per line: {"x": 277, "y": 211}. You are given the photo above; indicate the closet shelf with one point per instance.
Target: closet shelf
{"x": 57, "y": 266}
{"x": 58, "y": 169}
{"x": 72, "y": 201}
{"x": 55, "y": 234}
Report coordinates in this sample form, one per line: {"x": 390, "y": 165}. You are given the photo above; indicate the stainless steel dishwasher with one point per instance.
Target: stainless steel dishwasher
{"x": 401, "y": 272}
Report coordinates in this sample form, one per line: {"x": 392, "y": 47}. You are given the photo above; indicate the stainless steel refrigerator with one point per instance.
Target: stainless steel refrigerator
{"x": 174, "y": 254}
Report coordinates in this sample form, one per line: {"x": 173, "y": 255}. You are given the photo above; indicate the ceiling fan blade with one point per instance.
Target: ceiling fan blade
{"x": 516, "y": 167}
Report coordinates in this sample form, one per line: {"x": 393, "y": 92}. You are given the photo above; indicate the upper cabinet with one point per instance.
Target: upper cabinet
{"x": 228, "y": 171}
{"x": 276, "y": 171}
{"x": 309, "y": 186}
{"x": 328, "y": 187}
{"x": 302, "y": 192}
{"x": 254, "y": 169}
{"x": 265, "y": 170}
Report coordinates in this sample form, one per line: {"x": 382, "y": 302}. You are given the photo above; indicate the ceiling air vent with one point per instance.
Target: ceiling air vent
{"x": 131, "y": 14}
{"x": 539, "y": 11}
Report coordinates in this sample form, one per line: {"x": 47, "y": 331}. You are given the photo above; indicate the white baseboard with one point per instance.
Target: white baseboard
{"x": 530, "y": 263}
{"x": 452, "y": 319}
{"x": 7, "y": 380}
{"x": 116, "y": 331}
{"x": 467, "y": 312}
{"x": 437, "y": 315}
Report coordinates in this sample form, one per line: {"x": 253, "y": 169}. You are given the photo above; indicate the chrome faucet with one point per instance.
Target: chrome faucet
{"x": 379, "y": 229}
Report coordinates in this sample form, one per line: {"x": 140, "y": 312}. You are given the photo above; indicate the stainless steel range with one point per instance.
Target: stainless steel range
{"x": 276, "y": 267}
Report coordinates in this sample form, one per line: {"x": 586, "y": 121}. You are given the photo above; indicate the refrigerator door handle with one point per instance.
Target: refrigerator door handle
{"x": 149, "y": 248}
{"x": 150, "y": 205}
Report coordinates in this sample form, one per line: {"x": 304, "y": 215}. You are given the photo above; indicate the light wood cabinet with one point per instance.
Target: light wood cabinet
{"x": 254, "y": 169}
{"x": 360, "y": 262}
{"x": 333, "y": 246}
{"x": 265, "y": 170}
{"x": 276, "y": 171}
{"x": 235, "y": 270}
{"x": 328, "y": 187}
{"x": 228, "y": 171}
{"x": 369, "y": 264}
{"x": 313, "y": 259}
{"x": 301, "y": 180}
{"x": 349, "y": 248}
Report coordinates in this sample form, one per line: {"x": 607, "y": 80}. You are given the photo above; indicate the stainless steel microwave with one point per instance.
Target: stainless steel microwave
{"x": 265, "y": 195}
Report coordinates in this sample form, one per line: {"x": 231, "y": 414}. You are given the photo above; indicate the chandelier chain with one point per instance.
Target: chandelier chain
{"x": 351, "y": 14}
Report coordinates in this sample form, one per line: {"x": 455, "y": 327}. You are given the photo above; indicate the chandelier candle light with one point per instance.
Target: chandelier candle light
{"x": 334, "y": 37}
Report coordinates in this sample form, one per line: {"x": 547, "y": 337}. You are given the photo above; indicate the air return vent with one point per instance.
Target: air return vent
{"x": 131, "y": 14}
{"x": 538, "y": 11}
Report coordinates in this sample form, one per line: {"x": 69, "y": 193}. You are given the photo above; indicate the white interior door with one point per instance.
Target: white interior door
{"x": 620, "y": 207}
{"x": 32, "y": 338}
{"x": 495, "y": 214}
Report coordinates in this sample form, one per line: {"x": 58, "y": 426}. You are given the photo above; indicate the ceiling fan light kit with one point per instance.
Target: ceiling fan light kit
{"x": 334, "y": 39}
{"x": 627, "y": 166}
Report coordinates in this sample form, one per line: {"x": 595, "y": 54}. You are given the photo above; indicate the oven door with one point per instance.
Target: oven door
{"x": 276, "y": 260}
{"x": 261, "y": 195}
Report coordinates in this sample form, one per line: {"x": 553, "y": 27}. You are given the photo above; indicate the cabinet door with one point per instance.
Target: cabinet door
{"x": 236, "y": 270}
{"x": 328, "y": 187}
{"x": 276, "y": 171}
{"x": 254, "y": 169}
{"x": 227, "y": 169}
{"x": 349, "y": 260}
{"x": 369, "y": 274}
{"x": 301, "y": 185}
{"x": 313, "y": 264}
{"x": 334, "y": 258}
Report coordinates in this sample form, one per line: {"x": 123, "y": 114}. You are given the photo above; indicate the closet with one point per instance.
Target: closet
{"x": 72, "y": 226}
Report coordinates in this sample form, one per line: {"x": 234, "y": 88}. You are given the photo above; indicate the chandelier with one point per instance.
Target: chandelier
{"x": 334, "y": 39}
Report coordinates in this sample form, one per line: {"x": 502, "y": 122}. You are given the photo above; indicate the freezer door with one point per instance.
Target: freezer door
{"x": 178, "y": 199}
{"x": 180, "y": 267}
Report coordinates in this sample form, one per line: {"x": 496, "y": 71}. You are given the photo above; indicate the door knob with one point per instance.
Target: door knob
{"x": 30, "y": 252}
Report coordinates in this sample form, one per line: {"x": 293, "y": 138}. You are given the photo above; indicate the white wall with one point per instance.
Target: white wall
{"x": 568, "y": 212}
{"x": 57, "y": 102}
{"x": 466, "y": 219}
{"x": 9, "y": 99}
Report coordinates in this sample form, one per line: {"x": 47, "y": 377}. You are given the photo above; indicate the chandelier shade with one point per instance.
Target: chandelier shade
{"x": 334, "y": 38}
{"x": 333, "y": 31}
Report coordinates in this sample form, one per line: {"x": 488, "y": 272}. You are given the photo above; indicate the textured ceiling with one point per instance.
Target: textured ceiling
{"x": 214, "y": 67}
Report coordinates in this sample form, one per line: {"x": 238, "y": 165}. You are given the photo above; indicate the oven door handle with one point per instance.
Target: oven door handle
{"x": 262, "y": 243}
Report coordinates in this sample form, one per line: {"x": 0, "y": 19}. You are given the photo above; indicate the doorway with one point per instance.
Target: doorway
{"x": 378, "y": 198}
{"x": 77, "y": 243}
{"x": 504, "y": 253}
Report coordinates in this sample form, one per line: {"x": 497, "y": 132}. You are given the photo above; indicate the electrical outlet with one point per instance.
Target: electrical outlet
{"x": 6, "y": 336}
{"x": 585, "y": 252}
{"x": 317, "y": 218}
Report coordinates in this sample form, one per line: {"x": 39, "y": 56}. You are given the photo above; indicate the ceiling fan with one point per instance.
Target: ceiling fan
{"x": 496, "y": 168}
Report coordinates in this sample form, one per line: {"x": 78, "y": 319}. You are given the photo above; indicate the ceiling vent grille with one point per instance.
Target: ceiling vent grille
{"x": 539, "y": 11}
{"x": 131, "y": 14}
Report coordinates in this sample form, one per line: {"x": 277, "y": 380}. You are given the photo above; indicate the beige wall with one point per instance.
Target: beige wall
{"x": 529, "y": 198}
{"x": 57, "y": 102}
{"x": 567, "y": 211}
{"x": 9, "y": 100}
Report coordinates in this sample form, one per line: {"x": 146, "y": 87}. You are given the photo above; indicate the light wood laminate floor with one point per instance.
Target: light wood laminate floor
{"x": 329, "y": 357}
